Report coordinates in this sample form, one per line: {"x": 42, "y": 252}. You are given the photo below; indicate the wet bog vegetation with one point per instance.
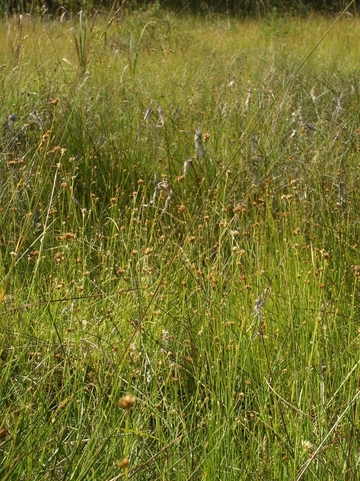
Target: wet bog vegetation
{"x": 179, "y": 247}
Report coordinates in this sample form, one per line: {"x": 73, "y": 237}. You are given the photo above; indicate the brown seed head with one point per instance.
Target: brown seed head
{"x": 124, "y": 463}
{"x": 127, "y": 402}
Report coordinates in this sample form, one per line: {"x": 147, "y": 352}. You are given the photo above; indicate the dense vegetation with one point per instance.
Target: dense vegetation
{"x": 233, "y": 7}
{"x": 179, "y": 248}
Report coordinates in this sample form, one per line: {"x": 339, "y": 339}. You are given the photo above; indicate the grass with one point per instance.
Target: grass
{"x": 225, "y": 301}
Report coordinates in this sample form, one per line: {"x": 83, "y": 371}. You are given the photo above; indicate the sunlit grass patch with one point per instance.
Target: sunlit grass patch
{"x": 179, "y": 230}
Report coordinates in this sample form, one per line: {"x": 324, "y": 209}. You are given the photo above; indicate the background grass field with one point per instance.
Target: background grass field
{"x": 224, "y": 295}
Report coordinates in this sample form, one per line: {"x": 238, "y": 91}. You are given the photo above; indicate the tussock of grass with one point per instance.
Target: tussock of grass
{"x": 224, "y": 300}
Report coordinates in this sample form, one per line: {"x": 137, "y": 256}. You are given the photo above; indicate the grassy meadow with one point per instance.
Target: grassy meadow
{"x": 179, "y": 212}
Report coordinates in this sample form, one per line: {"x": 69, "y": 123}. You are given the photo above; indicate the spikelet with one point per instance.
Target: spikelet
{"x": 10, "y": 121}
{"x": 147, "y": 114}
{"x": 339, "y": 108}
{"x": 341, "y": 194}
{"x": 161, "y": 120}
{"x": 166, "y": 188}
{"x": 127, "y": 402}
{"x": 259, "y": 303}
{"x": 187, "y": 165}
{"x": 199, "y": 146}
{"x": 232, "y": 82}
{"x": 312, "y": 94}
{"x": 247, "y": 101}
{"x": 34, "y": 117}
